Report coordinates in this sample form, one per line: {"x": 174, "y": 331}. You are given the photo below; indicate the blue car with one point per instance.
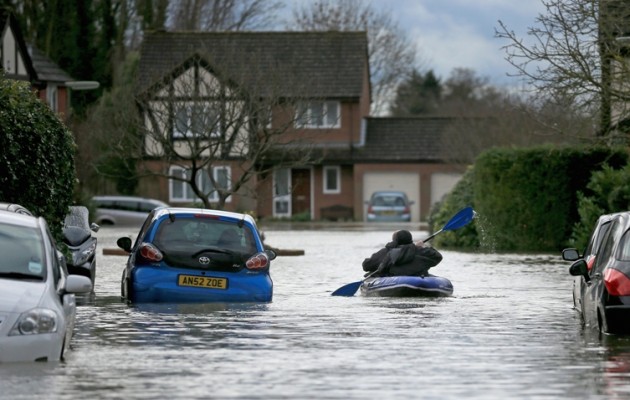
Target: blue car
{"x": 186, "y": 255}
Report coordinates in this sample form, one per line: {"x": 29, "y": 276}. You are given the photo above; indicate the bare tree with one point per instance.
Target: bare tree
{"x": 222, "y": 15}
{"x": 392, "y": 56}
{"x": 574, "y": 54}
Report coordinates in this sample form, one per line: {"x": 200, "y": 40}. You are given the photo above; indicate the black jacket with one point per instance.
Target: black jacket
{"x": 407, "y": 259}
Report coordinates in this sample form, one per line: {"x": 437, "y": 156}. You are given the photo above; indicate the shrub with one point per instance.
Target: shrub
{"x": 37, "y": 158}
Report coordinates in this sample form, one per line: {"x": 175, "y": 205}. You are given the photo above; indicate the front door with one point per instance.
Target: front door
{"x": 301, "y": 191}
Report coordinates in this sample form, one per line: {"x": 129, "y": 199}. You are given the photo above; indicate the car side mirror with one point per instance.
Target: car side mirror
{"x": 271, "y": 254}
{"x": 94, "y": 227}
{"x": 124, "y": 243}
{"x": 570, "y": 254}
{"x": 579, "y": 268}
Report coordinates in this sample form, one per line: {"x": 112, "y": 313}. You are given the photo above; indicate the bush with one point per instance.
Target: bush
{"x": 461, "y": 196}
{"x": 37, "y": 158}
{"x": 607, "y": 192}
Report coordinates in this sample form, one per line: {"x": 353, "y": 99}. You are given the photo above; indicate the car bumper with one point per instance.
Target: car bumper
{"x": 154, "y": 285}
{"x": 29, "y": 348}
{"x": 389, "y": 218}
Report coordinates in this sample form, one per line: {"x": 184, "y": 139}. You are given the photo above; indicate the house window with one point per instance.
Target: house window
{"x": 51, "y": 97}
{"x": 318, "y": 114}
{"x": 181, "y": 191}
{"x": 332, "y": 180}
{"x": 196, "y": 119}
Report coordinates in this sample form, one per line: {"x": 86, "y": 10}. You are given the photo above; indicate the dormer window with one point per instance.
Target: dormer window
{"x": 318, "y": 114}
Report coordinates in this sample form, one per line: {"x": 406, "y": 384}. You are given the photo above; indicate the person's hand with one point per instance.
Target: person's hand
{"x": 420, "y": 243}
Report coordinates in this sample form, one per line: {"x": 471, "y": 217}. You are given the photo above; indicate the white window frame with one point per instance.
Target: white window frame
{"x": 283, "y": 174}
{"x": 191, "y": 108}
{"x": 202, "y": 181}
{"x": 306, "y": 116}
{"x": 52, "y": 96}
{"x": 337, "y": 171}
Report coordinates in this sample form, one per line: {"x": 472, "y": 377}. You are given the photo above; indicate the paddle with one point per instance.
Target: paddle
{"x": 462, "y": 218}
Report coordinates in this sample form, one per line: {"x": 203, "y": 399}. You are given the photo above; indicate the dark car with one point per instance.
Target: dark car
{"x": 196, "y": 255}
{"x": 388, "y": 206}
{"x": 605, "y": 287}
{"x": 594, "y": 242}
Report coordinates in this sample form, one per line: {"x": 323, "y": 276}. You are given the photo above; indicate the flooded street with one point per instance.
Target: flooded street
{"x": 508, "y": 331}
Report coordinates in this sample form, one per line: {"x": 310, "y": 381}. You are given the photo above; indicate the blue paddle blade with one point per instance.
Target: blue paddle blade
{"x": 463, "y": 217}
{"x": 347, "y": 290}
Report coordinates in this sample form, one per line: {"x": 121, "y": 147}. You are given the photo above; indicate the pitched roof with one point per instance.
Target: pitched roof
{"x": 46, "y": 69}
{"x": 413, "y": 139}
{"x": 313, "y": 64}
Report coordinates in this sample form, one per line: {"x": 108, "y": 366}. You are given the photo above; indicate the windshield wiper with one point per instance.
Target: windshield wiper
{"x": 20, "y": 275}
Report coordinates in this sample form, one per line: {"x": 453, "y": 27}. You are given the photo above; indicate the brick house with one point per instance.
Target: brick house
{"x": 321, "y": 75}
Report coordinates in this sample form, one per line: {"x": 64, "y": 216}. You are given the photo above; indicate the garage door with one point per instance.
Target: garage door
{"x": 442, "y": 184}
{"x": 404, "y": 181}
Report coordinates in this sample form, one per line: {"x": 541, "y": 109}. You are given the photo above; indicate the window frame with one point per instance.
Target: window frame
{"x": 305, "y": 119}
{"x": 193, "y": 108}
{"x": 337, "y": 172}
{"x": 201, "y": 181}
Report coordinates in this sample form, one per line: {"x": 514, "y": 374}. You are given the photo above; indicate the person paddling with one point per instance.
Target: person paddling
{"x": 402, "y": 257}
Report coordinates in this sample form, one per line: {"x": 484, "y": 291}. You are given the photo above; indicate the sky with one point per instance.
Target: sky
{"x": 452, "y": 34}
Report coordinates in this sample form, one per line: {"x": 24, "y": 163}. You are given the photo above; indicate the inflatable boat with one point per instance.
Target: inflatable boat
{"x": 407, "y": 286}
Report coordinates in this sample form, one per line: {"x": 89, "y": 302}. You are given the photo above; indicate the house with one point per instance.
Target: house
{"x": 211, "y": 95}
{"x": 21, "y": 61}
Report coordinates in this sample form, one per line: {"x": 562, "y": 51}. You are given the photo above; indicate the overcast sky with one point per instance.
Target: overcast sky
{"x": 451, "y": 34}
{"x": 460, "y": 33}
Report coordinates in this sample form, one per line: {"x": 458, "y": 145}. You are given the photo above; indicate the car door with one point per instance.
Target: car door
{"x": 594, "y": 293}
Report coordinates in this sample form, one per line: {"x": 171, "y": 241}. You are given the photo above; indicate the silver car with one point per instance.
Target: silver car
{"x": 37, "y": 302}
{"x": 386, "y": 206}
{"x": 124, "y": 210}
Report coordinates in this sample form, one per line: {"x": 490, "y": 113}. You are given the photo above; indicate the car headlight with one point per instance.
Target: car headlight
{"x": 35, "y": 321}
{"x": 83, "y": 256}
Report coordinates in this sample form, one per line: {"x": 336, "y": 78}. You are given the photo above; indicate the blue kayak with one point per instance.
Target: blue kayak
{"x": 407, "y": 286}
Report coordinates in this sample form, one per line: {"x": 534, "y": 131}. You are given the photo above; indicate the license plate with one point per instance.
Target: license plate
{"x": 207, "y": 282}
{"x": 388, "y": 212}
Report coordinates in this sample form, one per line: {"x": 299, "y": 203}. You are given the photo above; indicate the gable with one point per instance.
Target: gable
{"x": 14, "y": 57}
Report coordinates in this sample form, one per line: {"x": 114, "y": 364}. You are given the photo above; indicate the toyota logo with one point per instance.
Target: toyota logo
{"x": 204, "y": 260}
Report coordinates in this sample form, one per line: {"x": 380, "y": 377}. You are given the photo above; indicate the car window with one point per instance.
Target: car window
{"x": 623, "y": 252}
{"x": 22, "y": 251}
{"x": 605, "y": 251}
{"x": 596, "y": 238}
{"x": 388, "y": 201}
{"x": 143, "y": 230}
{"x": 199, "y": 233}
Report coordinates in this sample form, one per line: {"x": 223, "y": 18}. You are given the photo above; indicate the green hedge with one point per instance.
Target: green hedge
{"x": 526, "y": 199}
{"x": 37, "y": 158}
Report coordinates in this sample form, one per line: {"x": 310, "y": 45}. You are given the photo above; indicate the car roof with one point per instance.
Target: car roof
{"x": 389, "y": 192}
{"x": 14, "y": 218}
{"x": 204, "y": 211}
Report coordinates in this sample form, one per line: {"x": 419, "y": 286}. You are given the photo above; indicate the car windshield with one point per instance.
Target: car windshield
{"x": 22, "y": 253}
{"x": 202, "y": 233}
{"x": 389, "y": 201}
{"x": 78, "y": 216}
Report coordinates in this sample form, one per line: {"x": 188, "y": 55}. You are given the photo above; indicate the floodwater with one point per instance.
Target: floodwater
{"x": 508, "y": 332}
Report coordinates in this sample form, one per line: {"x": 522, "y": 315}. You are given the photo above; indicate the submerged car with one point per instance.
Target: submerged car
{"x": 37, "y": 301}
{"x": 123, "y": 210}
{"x": 389, "y": 206}
{"x": 604, "y": 294}
{"x": 592, "y": 247}
{"x": 196, "y": 255}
